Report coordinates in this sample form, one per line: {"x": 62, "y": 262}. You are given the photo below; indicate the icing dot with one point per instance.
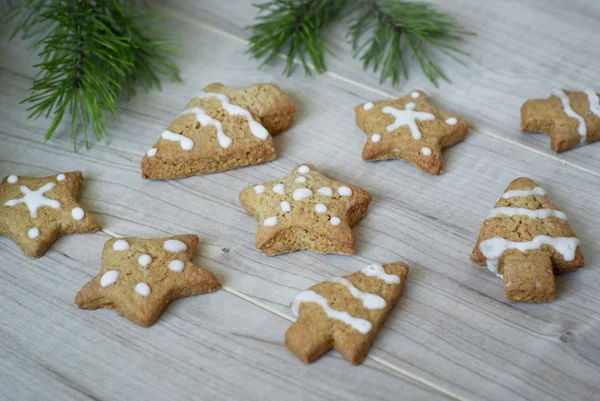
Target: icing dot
{"x": 426, "y": 151}
{"x": 143, "y": 289}
{"x": 415, "y": 95}
{"x": 279, "y": 189}
{"x": 375, "y": 137}
{"x": 325, "y": 191}
{"x": 301, "y": 179}
{"x": 12, "y": 179}
{"x": 409, "y": 106}
{"x": 345, "y": 191}
{"x": 175, "y": 246}
{"x": 259, "y": 189}
{"x": 301, "y": 193}
{"x": 34, "y": 233}
{"x": 368, "y": 106}
{"x": 270, "y": 221}
{"x": 335, "y": 221}
{"x": 120, "y": 245}
{"x": 152, "y": 152}
{"x": 144, "y": 260}
{"x": 285, "y": 206}
{"x": 176, "y": 265}
{"x": 61, "y": 177}
{"x": 303, "y": 169}
{"x": 452, "y": 121}
{"x": 320, "y": 208}
{"x": 109, "y": 278}
{"x": 77, "y": 213}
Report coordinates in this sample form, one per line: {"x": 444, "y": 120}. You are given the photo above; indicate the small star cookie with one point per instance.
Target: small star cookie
{"x": 570, "y": 118}
{"x": 141, "y": 277}
{"x": 221, "y": 129}
{"x": 345, "y": 312}
{"x": 34, "y": 212}
{"x": 409, "y": 129}
{"x": 305, "y": 210}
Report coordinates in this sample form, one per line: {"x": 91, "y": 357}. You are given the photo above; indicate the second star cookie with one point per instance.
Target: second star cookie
{"x": 305, "y": 210}
{"x": 410, "y": 129}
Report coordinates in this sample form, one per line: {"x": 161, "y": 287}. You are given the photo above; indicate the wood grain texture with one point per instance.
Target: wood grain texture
{"x": 452, "y": 327}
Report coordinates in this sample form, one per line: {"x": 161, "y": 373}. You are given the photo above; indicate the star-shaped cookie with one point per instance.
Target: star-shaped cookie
{"x": 305, "y": 210}
{"x": 34, "y": 212}
{"x": 140, "y": 277}
{"x": 409, "y": 129}
{"x": 570, "y": 118}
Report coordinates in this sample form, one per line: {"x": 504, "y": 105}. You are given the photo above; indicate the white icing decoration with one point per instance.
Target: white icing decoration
{"x": 379, "y": 272}
{"x": 524, "y": 192}
{"x": 120, "y": 245}
{"x": 175, "y": 246}
{"x": 35, "y": 199}
{"x": 109, "y": 278}
{"x": 143, "y": 289}
{"x": 532, "y": 214}
{"x": 259, "y": 189}
{"x": 361, "y": 325}
{"x": 415, "y": 95}
{"x": 176, "y": 265}
{"x": 370, "y": 301}
{"x": 270, "y": 221}
{"x": 375, "y": 138}
{"x": 301, "y": 180}
{"x": 345, "y": 191}
{"x": 279, "y": 189}
{"x": 152, "y": 152}
{"x": 145, "y": 260}
{"x": 368, "y": 106}
{"x": 78, "y": 213}
{"x": 594, "y": 101}
{"x": 185, "y": 142}
{"x": 325, "y": 191}
{"x": 452, "y": 121}
{"x": 426, "y": 151}
{"x": 285, "y": 206}
{"x": 204, "y": 120}
{"x": 335, "y": 221}
{"x": 409, "y": 117}
{"x": 303, "y": 169}
{"x": 12, "y": 179}
{"x": 301, "y": 193}
{"x": 320, "y": 208}
{"x": 33, "y": 233}
{"x": 61, "y": 177}
{"x": 566, "y": 103}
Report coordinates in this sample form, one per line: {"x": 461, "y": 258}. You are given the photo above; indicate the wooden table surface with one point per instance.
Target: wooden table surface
{"x": 452, "y": 336}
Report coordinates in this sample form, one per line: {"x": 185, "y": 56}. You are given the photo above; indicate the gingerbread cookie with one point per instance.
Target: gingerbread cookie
{"x": 409, "y": 129}
{"x": 34, "y": 212}
{"x": 526, "y": 240}
{"x": 345, "y": 313}
{"x": 221, "y": 129}
{"x": 141, "y": 277}
{"x": 570, "y": 118}
{"x": 305, "y": 210}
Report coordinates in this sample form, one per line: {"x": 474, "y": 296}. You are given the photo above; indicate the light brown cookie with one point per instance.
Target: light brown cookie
{"x": 345, "y": 313}
{"x": 34, "y": 212}
{"x": 570, "y": 118}
{"x": 305, "y": 210}
{"x": 141, "y": 277}
{"x": 527, "y": 239}
{"x": 221, "y": 129}
{"x": 410, "y": 129}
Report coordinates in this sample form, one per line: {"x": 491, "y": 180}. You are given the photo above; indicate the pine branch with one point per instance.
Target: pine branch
{"x": 93, "y": 52}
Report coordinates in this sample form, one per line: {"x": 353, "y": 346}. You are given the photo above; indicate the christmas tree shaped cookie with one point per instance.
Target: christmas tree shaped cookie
{"x": 305, "y": 210}
{"x": 140, "y": 277}
{"x": 410, "y": 129}
{"x": 570, "y": 118}
{"x": 221, "y": 129}
{"x": 345, "y": 313}
{"x": 34, "y": 212}
{"x": 527, "y": 240}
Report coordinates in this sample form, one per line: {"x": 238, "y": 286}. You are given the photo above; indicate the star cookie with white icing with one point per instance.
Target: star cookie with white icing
{"x": 345, "y": 312}
{"x": 526, "y": 240}
{"x": 221, "y": 129}
{"x": 141, "y": 277}
{"x": 34, "y": 212}
{"x": 570, "y": 118}
{"x": 305, "y": 210}
{"x": 410, "y": 129}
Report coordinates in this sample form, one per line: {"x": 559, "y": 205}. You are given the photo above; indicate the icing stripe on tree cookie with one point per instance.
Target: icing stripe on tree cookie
{"x": 204, "y": 120}
{"x": 524, "y": 192}
{"x": 379, "y": 272}
{"x": 532, "y": 214}
{"x": 370, "y": 301}
{"x": 594, "y": 102}
{"x": 185, "y": 142}
{"x": 582, "y": 129}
